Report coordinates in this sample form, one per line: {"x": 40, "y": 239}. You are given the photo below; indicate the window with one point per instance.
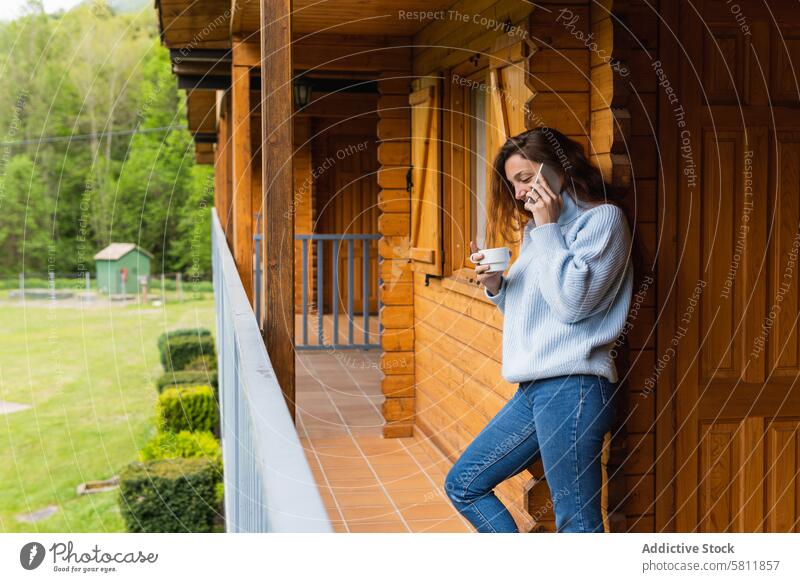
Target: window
{"x": 466, "y": 166}
{"x": 478, "y": 164}
{"x": 483, "y": 104}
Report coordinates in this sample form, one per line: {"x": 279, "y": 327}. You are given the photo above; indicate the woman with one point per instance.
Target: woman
{"x": 565, "y": 301}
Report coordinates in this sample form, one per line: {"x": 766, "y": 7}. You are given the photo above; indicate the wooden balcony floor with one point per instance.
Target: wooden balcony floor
{"x": 368, "y": 483}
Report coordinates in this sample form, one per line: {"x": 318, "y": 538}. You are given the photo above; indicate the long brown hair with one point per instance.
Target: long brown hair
{"x": 582, "y": 180}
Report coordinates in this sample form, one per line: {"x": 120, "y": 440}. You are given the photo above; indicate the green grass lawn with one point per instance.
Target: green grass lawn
{"x": 88, "y": 375}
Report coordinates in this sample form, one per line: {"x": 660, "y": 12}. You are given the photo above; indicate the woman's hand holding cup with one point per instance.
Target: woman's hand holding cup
{"x": 491, "y": 280}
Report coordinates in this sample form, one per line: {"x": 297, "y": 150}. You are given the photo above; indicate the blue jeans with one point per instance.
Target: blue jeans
{"x": 563, "y": 420}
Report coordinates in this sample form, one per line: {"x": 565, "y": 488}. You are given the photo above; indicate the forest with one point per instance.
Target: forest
{"x": 93, "y": 144}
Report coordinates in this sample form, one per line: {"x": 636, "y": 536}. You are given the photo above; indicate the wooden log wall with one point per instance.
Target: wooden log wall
{"x": 579, "y": 88}
{"x": 643, "y": 203}
{"x": 396, "y": 292}
{"x": 457, "y": 331}
{"x": 611, "y": 95}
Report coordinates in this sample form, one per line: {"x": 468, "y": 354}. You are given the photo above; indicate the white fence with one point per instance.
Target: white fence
{"x": 269, "y": 486}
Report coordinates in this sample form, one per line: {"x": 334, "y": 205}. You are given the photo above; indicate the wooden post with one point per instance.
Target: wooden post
{"x": 228, "y": 153}
{"x": 242, "y": 174}
{"x": 221, "y": 193}
{"x": 278, "y": 224}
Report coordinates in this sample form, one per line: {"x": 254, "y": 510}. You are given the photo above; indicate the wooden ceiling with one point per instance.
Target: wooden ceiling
{"x": 210, "y": 23}
{"x": 195, "y": 23}
{"x": 363, "y": 16}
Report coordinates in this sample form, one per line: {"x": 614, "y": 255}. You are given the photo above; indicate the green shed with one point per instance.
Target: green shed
{"x": 119, "y": 268}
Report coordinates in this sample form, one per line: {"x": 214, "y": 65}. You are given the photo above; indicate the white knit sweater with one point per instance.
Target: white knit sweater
{"x": 566, "y": 297}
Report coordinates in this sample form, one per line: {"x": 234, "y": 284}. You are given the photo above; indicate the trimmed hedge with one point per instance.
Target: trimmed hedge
{"x": 184, "y": 332}
{"x": 192, "y": 408}
{"x": 184, "y": 349}
{"x": 184, "y": 445}
{"x": 204, "y": 359}
{"x": 172, "y": 379}
{"x": 170, "y": 495}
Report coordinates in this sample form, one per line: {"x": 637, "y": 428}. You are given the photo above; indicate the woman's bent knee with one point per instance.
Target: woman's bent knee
{"x": 460, "y": 486}
{"x": 453, "y": 485}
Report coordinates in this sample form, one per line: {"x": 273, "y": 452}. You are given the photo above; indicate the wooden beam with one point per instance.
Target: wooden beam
{"x": 247, "y": 53}
{"x": 276, "y": 118}
{"x": 352, "y": 53}
{"x": 242, "y": 177}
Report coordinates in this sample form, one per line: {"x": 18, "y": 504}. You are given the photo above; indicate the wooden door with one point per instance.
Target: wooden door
{"x": 737, "y": 348}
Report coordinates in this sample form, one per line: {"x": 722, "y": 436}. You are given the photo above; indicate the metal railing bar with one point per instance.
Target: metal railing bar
{"x": 366, "y": 291}
{"x": 320, "y": 296}
{"x": 335, "y": 290}
{"x": 305, "y": 291}
{"x": 351, "y": 245}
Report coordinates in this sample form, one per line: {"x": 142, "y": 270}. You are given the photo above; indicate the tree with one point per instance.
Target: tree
{"x": 191, "y": 251}
{"x": 24, "y": 219}
{"x": 87, "y": 73}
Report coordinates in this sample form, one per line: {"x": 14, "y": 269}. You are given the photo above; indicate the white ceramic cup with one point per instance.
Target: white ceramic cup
{"x": 496, "y": 258}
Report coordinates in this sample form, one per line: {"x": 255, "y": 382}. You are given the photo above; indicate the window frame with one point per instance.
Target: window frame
{"x": 457, "y": 165}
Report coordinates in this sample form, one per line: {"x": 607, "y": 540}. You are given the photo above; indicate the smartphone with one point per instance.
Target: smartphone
{"x": 550, "y": 176}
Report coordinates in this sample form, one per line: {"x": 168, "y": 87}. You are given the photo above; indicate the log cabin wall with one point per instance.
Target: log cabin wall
{"x": 581, "y": 89}
{"x": 457, "y": 331}
{"x": 637, "y": 494}
{"x": 396, "y": 291}
{"x": 565, "y": 88}
{"x": 611, "y": 93}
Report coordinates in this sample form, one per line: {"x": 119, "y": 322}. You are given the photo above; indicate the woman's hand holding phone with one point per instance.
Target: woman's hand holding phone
{"x": 491, "y": 281}
{"x": 544, "y": 204}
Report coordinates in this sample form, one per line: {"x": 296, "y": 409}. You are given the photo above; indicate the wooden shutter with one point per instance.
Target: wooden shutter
{"x": 499, "y": 107}
{"x": 507, "y": 98}
{"x": 426, "y": 230}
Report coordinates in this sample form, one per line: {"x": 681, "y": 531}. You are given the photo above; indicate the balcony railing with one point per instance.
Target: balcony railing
{"x": 338, "y": 241}
{"x": 269, "y": 486}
